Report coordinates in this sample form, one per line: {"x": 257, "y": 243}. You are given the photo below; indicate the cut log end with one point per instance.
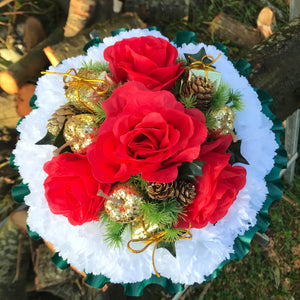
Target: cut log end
{"x": 8, "y": 83}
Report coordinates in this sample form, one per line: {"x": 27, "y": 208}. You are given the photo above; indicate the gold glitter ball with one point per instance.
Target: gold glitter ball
{"x": 81, "y": 130}
{"x": 223, "y": 122}
{"x": 81, "y": 95}
{"x": 123, "y": 207}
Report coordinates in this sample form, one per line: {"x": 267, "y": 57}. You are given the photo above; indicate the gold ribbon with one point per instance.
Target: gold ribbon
{"x": 156, "y": 238}
{"x": 81, "y": 81}
{"x": 201, "y": 65}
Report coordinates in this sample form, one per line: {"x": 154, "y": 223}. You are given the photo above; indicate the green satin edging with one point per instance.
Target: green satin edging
{"x": 154, "y": 28}
{"x": 94, "y": 42}
{"x": 275, "y": 188}
{"x": 12, "y": 162}
{"x": 32, "y": 101}
{"x": 20, "y": 120}
{"x": 185, "y": 37}
{"x": 221, "y": 47}
{"x": 96, "y": 281}
{"x": 18, "y": 192}
{"x": 117, "y": 31}
{"x": 243, "y": 67}
{"x": 59, "y": 261}
{"x": 35, "y": 236}
{"x": 136, "y": 289}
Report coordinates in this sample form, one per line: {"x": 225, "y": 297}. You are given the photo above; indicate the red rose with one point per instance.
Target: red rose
{"x": 146, "y": 59}
{"x": 145, "y": 132}
{"x": 217, "y": 188}
{"x": 71, "y": 190}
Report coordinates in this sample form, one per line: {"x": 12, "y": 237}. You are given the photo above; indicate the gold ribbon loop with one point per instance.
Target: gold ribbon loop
{"x": 156, "y": 238}
{"x": 82, "y": 81}
{"x": 201, "y": 65}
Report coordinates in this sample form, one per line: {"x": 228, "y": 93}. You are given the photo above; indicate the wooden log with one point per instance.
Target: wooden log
{"x": 28, "y": 66}
{"x": 227, "y": 28}
{"x": 73, "y": 46}
{"x": 80, "y": 11}
{"x": 35, "y": 61}
{"x": 275, "y": 63}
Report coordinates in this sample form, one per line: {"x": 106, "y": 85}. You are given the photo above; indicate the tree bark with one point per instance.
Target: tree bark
{"x": 276, "y": 68}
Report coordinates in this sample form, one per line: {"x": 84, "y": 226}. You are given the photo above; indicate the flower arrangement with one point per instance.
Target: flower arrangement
{"x": 150, "y": 158}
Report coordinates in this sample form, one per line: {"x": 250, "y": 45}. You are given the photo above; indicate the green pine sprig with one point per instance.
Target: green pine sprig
{"x": 163, "y": 213}
{"x": 235, "y": 98}
{"x": 209, "y": 120}
{"x": 113, "y": 231}
{"x": 189, "y": 101}
{"x": 220, "y": 96}
{"x": 172, "y": 234}
{"x": 100, "y": 113}
{"x": 98, "y": 65}
{"x": 139, "y": 183}
{"x": 227, "y": 96}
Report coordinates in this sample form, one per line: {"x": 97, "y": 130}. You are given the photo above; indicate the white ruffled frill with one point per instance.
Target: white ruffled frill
{"x": 84, "y": 247}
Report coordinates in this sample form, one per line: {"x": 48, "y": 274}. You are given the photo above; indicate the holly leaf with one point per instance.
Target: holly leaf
{"x": 198, "y": 57}
{"x": 169, "y": 246}
{"x": 60, "y": 140}
{"x": 48, "y": 139}
{"x": 189, "y": 170}
{"x": 57, "y": 141}
{"x": 235, "y": 151}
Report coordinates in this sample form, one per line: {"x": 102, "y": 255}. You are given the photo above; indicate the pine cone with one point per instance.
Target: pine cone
{"x": 182, "y": 190}
{"x": 56, "y": 123}
{"x": 185, "y": 192}
{"x": 202, "y": 88}
{"x": 160, "y": 191}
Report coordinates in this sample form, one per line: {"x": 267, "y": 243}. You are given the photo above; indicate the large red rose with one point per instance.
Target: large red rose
{"x": 217, "y": 188}
{"x": 146, "y": 59}
{"x": 71, "y": 190}
{"x": 145, "y": 132}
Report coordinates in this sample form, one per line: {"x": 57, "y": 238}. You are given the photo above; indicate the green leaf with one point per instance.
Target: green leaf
{"x": 189, "y": 170}
{"x": 169, "y": 246}
{"x": 60, "y": 140}
{"x": 48, "y": 139}
{"x": 235, "y": 151}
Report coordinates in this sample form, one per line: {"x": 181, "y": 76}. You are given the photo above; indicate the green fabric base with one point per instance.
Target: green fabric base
{"x": 242, "y": 243}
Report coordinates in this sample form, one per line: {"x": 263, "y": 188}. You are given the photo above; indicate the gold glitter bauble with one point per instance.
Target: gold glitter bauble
{"x": 123, "y": 207}
{"x": 223, "y": 122}
{"x": 81, "y": 130}
{"x": 82, "y": 96}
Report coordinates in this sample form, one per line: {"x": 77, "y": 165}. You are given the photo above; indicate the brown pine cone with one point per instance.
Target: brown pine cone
{"x": 160, "y": 191}
{"x": 183, "y": 191}
{"x": 56, "y": 123}
{"x": 202, "y": 88}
